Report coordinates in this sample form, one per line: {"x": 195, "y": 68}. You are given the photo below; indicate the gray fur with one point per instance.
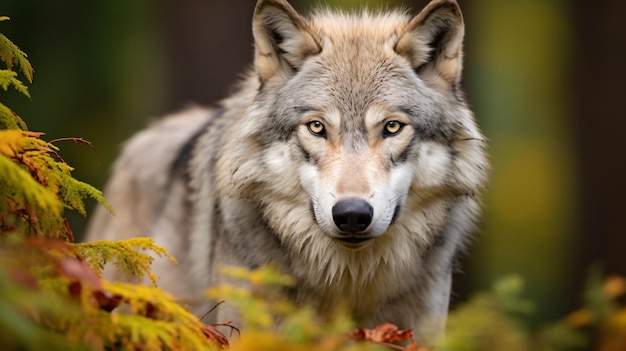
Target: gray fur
{"x": 249, "y": 184}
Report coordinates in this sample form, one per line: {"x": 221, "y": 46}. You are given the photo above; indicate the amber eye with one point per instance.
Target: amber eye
{"x": 392, "y": 128}
{"x": 316, "y": 128}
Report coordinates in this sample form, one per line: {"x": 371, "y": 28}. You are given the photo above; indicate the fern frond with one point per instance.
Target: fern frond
{"x": 52, "y": 295}
{"x": 10, "y": 120}
{"x": 8, "y": 77}
{"x": 156, "y": 321}
{"x": 49, "y": 297}
{"x": 73, "y": 192}
{"x": 11, "y": 55}
{"x": 38, "y": 175}
{"x": 17, "y": 185}
{"x": 124, "y": 254}
{"x": 25, "y": 198}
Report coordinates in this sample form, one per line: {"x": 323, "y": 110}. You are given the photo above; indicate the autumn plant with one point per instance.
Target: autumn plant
{"x": 51, "y": 294}
{"x": 299, "y": 328}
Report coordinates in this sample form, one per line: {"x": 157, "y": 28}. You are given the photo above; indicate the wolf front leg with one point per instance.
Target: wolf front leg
{"x": 435, "y": 300}
{"x": 423, "y": 308}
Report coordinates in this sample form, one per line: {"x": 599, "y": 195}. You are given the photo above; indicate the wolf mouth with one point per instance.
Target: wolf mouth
{"x": 354, "y": 241}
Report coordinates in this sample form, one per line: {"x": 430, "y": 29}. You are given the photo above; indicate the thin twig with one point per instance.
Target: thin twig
{"x": 211, "y": 310}
{"x": 79, "y": 141}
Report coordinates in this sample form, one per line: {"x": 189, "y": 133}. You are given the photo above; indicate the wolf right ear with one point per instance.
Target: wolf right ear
{"x": 433, "y": 42}
{"x": 283, "y": 39}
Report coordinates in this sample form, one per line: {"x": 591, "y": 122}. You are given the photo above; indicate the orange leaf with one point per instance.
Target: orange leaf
{"x": 215, "y": 336}
{"x": 386, "y": 334}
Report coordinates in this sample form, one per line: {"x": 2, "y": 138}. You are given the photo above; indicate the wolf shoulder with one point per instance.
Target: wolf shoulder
{"x": 150, "y": 163}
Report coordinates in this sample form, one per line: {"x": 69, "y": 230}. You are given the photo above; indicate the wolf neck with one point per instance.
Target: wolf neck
{"x": 333, "y": 278}
{"x": 323, "y": 265}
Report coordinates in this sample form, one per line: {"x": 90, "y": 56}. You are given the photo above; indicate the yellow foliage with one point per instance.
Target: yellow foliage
{"x": 298, "y": 329}
{"x": 124, "y": 254}
{"x": 50, "y": 299}
{"x": 37, "y": 186}
{"x": 156, "y": 321}
{"x": 55, "y": 295}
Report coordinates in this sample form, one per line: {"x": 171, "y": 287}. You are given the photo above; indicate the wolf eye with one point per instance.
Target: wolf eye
{"x": 392, "y": 128}
{"x": 316, "y": 128}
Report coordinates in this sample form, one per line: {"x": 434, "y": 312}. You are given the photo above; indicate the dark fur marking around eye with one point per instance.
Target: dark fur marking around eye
{"x": 404, "y": 155}
{"x": 433, "y": 127}
{"x": 434, "y": 131}
{"x": 305, "y": 154}
{"x": 280, "y": 126}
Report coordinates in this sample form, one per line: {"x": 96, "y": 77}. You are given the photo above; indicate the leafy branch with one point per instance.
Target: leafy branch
{"x": 52, "y": 295}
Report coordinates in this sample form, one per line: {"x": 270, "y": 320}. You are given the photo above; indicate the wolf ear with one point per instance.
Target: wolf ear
{"x": 433, "y": 42}
{"x": 283, "y": 39}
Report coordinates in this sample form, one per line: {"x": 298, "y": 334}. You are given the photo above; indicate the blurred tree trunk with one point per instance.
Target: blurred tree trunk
{"x": 599, "y": 75}
{"x": 208, "y": 45}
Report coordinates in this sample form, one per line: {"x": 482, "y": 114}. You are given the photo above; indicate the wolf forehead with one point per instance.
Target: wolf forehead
{"x": 378, "y": 26}
{"x": 357, "y": 57}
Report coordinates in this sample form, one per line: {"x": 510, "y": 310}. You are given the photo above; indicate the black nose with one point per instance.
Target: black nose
{"x": 352, "y": 215}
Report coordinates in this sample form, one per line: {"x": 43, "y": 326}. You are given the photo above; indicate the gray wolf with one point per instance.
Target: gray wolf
{"x": 348, "y": 158}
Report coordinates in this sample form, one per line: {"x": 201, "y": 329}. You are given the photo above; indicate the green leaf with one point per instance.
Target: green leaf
{"x": 17, "y": 184}
{"x": 8, "y": 77}
{"x": 127, "y": 255}
{"x": 11, "y": 55}
{"x": 10, "y": 120}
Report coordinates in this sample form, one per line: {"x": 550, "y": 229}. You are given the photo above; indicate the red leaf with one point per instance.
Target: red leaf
{"x": 24, "y": 279}
{"x": 386, "y": 334}
{"x": 75, "y": 269}
{"x": 106, "y": 300}
{"x": 215, "y": 336}
{"x": 83, "y": 275}
{"x": 74, "y": 289}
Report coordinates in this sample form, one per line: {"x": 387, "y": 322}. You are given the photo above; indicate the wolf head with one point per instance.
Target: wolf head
{"x": 363, "y": 113}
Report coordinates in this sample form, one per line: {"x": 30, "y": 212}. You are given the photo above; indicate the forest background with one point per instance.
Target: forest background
{"x": 545, "y": 78}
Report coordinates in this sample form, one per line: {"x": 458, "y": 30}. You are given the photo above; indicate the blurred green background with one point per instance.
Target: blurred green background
{"x": 545, "y": 77}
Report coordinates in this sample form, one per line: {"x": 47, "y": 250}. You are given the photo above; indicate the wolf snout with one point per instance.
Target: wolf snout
{"x": 352, "y": 215}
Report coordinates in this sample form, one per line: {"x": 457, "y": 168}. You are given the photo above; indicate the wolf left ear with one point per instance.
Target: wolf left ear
{"x": 433, "y": 42}
{"x": 283, "y": 39}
